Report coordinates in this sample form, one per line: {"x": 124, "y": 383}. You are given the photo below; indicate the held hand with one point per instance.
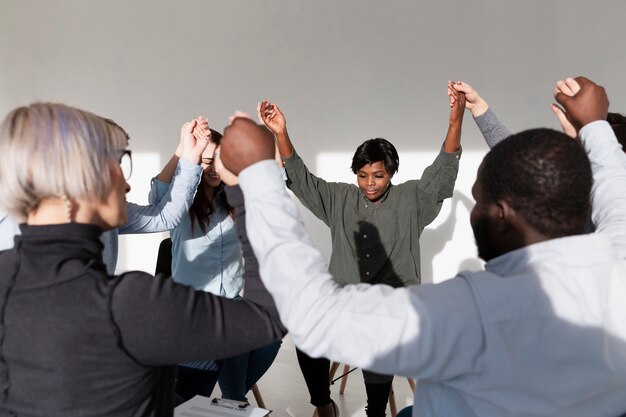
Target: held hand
{"x": 474, "y": 102}
{"x": 568, "y": 87}
{"x": 245, "y": 143}
{"x": 272, "y": 117}
{"x": 458, "y": 104}
{"x": 195, "y": 138}
{"x": 227, "y": 177}
{"x": 589, "y": 104}
{"x": 237, "y": 114}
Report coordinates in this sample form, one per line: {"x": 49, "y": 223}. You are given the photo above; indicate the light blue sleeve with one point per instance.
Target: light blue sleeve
{"x": 169, "y": 203}
{"x": 8, "y": 230}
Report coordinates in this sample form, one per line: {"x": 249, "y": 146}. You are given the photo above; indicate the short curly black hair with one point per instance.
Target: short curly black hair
{"x": 618, "y": 124}
{"x": 545, "y": 175}
{"x": 375, "y": 150}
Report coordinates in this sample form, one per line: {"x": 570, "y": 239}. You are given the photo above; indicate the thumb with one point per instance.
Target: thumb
{"x": 567, "y": 127}
{"x": 563, "y": 99}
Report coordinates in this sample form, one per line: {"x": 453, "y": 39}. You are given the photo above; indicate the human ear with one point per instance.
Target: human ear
{"x": 504, "y": 214}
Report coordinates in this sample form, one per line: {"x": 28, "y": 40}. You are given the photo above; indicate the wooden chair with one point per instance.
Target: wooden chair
{"x": 164, "y": 266}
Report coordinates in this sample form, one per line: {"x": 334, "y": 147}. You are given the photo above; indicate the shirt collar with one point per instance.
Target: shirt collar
{"x": 572, "y": 250}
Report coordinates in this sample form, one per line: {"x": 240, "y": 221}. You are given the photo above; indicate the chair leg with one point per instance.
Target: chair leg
{"x": 333, "y": 371}
{"x": 257, "y": 396}
{"x": 392, "y": 403}
{"x": 344, "y": 380}
{"x": 411, "y": 384}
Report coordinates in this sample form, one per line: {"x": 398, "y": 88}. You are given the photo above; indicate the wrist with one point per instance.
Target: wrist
{"x": 479, "y": 108}
{"x": 282, "y": 134}
{"x": 192, "y": 157}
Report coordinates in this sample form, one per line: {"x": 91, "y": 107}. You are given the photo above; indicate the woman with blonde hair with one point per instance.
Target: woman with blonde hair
{"x": 76, "y": 341}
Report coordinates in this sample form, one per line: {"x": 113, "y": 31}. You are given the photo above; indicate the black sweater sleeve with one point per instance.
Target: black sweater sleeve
{"x": 161, "y": 322}
{"x": 254, "y": 288}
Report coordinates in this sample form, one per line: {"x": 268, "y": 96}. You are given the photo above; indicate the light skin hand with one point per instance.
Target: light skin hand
{"x": 568, "y": 87}
{"x": 474, "y": 102}
{"x": 239, "y": 113}
{"x": 227, "y": 177}
{"x": 588, "y": 105}
{"x": 194, "y": 143}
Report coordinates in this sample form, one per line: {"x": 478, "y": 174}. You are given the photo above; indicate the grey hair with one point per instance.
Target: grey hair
{"x": 49, "y": 149}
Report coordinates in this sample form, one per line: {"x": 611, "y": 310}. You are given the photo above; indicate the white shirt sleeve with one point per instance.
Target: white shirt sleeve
{"x": 419, "y": 331}
{"x": 608, "y": 193}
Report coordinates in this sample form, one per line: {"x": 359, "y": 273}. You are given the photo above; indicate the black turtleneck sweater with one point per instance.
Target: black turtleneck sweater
{"x": 76, "y": 342}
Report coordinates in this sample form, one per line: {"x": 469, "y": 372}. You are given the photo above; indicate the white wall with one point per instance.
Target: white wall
{"x": 343, "y": 72}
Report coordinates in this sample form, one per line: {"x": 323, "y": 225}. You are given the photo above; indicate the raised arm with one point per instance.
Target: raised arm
{"x": 452, "y": 143}
{"x": 393, "y": 331}
{"x": 193, "y": 136}
{"x": 170, "y": 199}
{"x": 274, "y": 120}
{"x": 161, "y": 322}
{"x": 491, "y": 128}
{"x": 586, "y": 110}
{"x": 316, "y": 194}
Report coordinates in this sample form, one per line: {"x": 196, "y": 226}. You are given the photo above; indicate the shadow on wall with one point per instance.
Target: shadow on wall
{"x": 433, "y": 241}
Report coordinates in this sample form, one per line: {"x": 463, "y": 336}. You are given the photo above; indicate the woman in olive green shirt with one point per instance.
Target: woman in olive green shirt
{"x": 375, "y": 227}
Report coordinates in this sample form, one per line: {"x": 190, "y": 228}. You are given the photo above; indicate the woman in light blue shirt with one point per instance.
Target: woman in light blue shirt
{"x": 206, "y": 254}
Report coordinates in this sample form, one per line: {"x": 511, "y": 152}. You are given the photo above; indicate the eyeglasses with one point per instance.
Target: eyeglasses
{"x": 126, "y": 163}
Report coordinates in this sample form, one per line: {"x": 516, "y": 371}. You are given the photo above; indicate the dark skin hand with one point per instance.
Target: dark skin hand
{"x": 588, "y": 105}
{"x": 245, "y": 143}
{"x": 452, "y": 143}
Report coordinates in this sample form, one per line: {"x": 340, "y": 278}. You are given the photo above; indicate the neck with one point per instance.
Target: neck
{"x": 59, "y": 210}
{"x": 51, "y": 210}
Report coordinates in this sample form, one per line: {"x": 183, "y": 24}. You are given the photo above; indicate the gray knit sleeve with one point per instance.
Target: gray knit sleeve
{"x": 492, "y": 129}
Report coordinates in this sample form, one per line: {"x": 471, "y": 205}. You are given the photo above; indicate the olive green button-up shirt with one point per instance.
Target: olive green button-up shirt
{"x": 375, "y": 243}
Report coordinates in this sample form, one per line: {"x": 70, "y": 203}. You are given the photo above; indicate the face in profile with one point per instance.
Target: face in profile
{"x": 373, "y": 180}
{"x": 114, "y": 212}
{"x": 209, "y": 175}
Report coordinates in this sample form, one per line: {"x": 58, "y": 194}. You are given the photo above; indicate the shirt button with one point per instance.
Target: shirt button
{"x": 367, "y": 273}
{"x": 364, "y": 236}
{"x": 367, "y": 255}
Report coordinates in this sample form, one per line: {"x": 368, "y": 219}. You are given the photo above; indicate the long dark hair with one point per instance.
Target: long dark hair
{"x": 202, "y": 207}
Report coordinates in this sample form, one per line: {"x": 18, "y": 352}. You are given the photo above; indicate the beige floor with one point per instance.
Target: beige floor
{"x": 284, "y": 391}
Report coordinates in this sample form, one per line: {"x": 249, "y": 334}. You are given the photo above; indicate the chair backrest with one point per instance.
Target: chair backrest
{"x": 164, "y": 258}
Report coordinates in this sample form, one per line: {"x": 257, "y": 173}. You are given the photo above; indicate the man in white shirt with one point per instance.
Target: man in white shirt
{"x": 541, "y": 332}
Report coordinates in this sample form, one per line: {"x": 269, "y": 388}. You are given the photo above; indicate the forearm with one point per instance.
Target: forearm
{"x": 254, "y": 289}
{"x": 166, "y": 209}
{"x": 452, "y": 143}
{"x": 161, "y": 322}
{"x": 608, "y": 193}
{"x": 285, "y": 147}
{"x": 169, "y": 170}
{"x": 491, "y": 128}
